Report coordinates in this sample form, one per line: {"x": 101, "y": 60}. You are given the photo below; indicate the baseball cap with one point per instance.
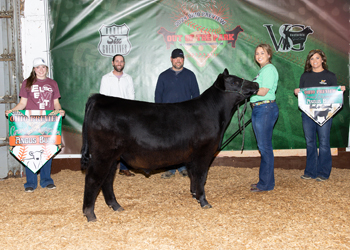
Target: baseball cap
{"x": 177, "y": 53}
{"x": 39, "y": 61}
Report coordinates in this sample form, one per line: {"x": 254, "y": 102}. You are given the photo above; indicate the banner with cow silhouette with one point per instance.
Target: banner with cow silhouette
{"x": 320, "y": 104}
{"x": 34, "y": 136}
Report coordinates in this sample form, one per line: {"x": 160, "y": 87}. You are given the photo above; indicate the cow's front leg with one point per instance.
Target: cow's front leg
{"x": 203, "y": 201}
{"x": 192, "y": 181}
{"x": 200, "y": 194}
{"x": 107, "y": 190}
{"x": 199, "y": 179}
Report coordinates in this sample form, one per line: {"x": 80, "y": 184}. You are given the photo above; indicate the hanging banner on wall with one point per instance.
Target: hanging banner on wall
{"x": 214, "y": 35}
{"x": 200, "y": 32}
{"x": 320, "y": 104}
{"x": 34, "y": 136}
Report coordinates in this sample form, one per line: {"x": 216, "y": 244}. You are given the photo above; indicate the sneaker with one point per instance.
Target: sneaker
{"x": 184, "y": 173}
{"x": 256, "y": 190}
{"x": 50, "y": 186}
{"x": 320, "y": 178}
{"x": 167, "y": 175}
{"x": 29, "y": 190}
{"x": 305, "y": 177}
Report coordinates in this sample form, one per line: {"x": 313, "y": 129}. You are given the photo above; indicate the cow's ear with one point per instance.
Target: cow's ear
{"x": 225, "y": 72}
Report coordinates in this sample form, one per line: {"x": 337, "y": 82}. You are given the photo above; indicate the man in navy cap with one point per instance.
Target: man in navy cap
{"x": 176, "y": 84}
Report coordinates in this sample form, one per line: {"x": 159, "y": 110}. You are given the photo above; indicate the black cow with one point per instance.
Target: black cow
{"x": 321, "y": 113}
{"x": 156, "y": 135}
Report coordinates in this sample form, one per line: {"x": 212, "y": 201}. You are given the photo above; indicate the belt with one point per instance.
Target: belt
{"x": 262, "y": 102}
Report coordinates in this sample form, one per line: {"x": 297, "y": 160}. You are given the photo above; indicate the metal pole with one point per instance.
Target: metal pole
{"x": 47, "y": 36}
{"x": 348, "y": 148}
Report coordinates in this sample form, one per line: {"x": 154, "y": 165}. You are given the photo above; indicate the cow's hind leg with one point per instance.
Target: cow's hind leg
{"x": 90, "y": 193}
{"x": 107, "y": 189}
{"x": 96, "y": 174}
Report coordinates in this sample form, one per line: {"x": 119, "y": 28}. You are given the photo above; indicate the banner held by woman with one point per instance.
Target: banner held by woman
{"x": 34, "y": 136}
{"x": 320, "y": 104}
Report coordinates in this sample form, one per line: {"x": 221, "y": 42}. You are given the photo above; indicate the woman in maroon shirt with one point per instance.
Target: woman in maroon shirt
{"x": 39, "y": 92}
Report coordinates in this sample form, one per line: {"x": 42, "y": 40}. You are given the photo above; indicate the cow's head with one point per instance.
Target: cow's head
{"x": 235, "y": 84}
{"x": 36, "y": 154}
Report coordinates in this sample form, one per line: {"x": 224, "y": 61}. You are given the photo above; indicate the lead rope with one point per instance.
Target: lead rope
{"x": 223, "y": 145}
{"x": 239, "y": 122}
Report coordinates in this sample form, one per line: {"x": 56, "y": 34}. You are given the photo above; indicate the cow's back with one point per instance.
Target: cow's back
{"x": 153, "y": 135}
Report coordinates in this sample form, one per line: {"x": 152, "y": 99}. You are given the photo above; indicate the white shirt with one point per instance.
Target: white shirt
{"x": 113, "y": 86}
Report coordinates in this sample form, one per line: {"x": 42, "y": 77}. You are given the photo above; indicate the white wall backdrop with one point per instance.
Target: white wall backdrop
{"x": 35, "y": 38}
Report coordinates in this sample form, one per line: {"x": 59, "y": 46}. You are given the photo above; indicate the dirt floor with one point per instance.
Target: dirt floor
{"x": 160, "y": 214}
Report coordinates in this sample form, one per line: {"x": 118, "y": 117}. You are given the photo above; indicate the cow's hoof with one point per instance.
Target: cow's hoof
{"x": 91, "y": 218}
{"x": 90, "y": 215}
{"x": 117, "y": 207}
{"x": 207, "y": 206}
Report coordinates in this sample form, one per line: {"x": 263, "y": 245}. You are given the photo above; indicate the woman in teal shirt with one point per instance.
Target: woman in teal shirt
{"x": 264, "y": 116}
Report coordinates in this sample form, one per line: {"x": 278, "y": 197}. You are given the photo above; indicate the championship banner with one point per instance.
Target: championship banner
{"x": 34, "y": 136}
{"x": 320, "y": 104}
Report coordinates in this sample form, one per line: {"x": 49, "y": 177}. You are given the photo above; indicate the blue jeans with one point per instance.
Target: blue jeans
{"x": 264, "y": 118}
{"x": 317, "y": 164}
{"x": 123, "y": 166}
{"x": 178, "y": 169}
{"x": 45, "y": 176}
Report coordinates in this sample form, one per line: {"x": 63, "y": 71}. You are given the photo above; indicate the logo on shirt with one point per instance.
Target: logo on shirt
{"x": 323, "y": 82}
{"x": 114, "y": 39}
{"x": 293, "y": 37}
{"x": 42, "y": 95}
{"x": 201, "y": 30}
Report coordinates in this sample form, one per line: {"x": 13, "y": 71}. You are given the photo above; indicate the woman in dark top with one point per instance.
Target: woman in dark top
{"x": 316, "y": 74}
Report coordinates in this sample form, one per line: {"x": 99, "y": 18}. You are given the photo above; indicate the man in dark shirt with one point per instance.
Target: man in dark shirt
{"x": 176, "y": 84}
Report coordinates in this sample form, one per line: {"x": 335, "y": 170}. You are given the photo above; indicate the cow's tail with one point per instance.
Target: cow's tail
{"x": 85, "y": 154}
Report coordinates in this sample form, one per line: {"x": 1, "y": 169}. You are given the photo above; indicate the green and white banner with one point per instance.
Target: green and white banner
{"x": 320, "y": 104}
{"x": 34, "y": 136}
{"x": 214, "y": 35}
